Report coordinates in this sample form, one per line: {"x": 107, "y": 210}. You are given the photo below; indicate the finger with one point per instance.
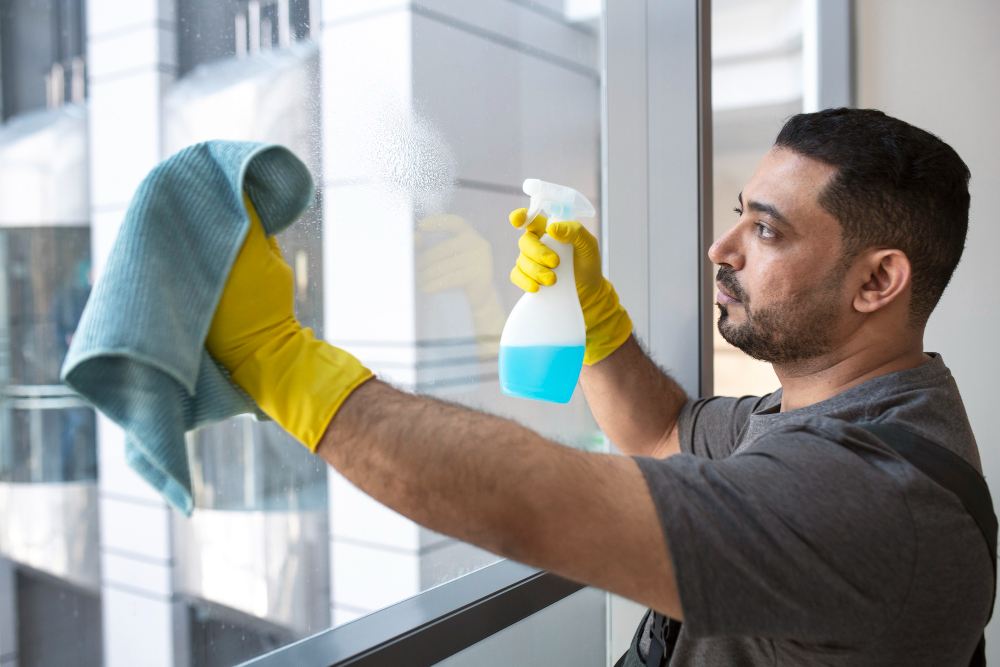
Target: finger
{"x": 518, "y": 218}
{"x": 523, "y": 281}
{"x": 540, "y": 274}
{"x": 537, "y": 251}
{"x": 567, "y": 231}
{"x": 584, "y": 243}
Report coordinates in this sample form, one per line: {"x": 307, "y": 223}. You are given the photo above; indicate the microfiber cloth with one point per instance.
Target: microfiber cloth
{"x": 138, "y": 354}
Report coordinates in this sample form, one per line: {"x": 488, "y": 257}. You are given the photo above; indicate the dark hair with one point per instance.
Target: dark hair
{"x": 896, "y": 186}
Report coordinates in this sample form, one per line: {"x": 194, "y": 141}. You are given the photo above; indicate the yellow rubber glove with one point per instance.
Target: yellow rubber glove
{"x": 608, "y": 325}
{"x": 297, "y": 380}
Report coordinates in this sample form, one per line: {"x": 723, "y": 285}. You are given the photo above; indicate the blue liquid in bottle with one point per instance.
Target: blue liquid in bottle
{"x": 541, "y": 372}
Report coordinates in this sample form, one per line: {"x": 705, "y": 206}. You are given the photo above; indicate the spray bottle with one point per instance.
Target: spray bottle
{"x": 541, "y": 347}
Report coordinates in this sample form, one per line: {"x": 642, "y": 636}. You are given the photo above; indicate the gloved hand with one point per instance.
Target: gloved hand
{"x": 608, "y": 325}
{"x": 297, "y": 380}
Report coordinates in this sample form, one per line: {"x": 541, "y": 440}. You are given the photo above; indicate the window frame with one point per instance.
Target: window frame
{"x": 432, "y": 625}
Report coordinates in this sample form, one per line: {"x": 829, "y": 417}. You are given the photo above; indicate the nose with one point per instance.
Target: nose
{"x": 726, "y": 250}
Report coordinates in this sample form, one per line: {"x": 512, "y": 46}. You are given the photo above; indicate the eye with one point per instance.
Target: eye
{"x": 764, "y": 232}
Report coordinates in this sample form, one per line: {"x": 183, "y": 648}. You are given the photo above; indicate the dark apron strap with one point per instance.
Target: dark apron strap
{"x": 663, "y": 633}
{"x": 657, "y": 643}
{"x": 954, "y": 473}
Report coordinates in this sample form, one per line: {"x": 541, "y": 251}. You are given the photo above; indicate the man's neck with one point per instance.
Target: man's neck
{"x": 814, "y": 380}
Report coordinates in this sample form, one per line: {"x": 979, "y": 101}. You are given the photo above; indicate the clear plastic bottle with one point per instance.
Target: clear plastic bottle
{"x": 541, "y": 348}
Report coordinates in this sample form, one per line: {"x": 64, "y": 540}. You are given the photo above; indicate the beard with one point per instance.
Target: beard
{"x": 785, "y": 332}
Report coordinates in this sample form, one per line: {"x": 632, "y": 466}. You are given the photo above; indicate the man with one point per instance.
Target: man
{"x": 778, "y": 531}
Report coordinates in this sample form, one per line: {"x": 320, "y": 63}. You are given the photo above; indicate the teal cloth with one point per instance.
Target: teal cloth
{"x": 138, "y": 354}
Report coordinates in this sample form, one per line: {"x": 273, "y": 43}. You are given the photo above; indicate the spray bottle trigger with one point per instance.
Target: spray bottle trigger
{"x": 533, "y": 211}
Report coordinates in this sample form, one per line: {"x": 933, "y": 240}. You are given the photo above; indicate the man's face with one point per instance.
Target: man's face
{"x": 781, "y": 273}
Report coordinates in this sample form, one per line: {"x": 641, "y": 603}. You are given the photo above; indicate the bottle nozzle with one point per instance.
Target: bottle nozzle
{"x": 557, "y": 201}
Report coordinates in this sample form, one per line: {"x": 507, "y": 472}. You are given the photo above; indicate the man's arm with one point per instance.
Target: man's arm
{"x": 479, "y": 478}
{"x": 493, "y": 483}
{"x": 634, "y": 402}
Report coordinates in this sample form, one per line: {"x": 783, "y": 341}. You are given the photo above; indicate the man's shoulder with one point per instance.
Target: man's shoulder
{"x": 814, "y": 434}
{"x": 923, "y": 400}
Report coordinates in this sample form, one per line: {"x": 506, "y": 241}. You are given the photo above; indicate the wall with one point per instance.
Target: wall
{"x": 935, "y": 65}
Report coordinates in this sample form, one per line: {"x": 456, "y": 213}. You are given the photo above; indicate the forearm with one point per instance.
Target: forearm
{"x": 498, "y": 485}
{"x": 634, "y": 402}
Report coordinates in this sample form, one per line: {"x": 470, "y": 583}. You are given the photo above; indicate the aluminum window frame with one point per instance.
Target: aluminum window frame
{"x": 828, "y": 50}
{"x": 432, "y": 625}
{"x": 656, "y": 170}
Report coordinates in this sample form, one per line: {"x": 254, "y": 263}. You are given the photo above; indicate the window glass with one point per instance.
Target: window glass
{"x": 757, "y": 83}
{"x": 48, "y": 433}
{"x": 419, "y": 124}
{"x": 50, "y": 589}
{"x": 42, "y": 50}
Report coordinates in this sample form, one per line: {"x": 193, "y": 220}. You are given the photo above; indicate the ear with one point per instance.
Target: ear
{"x": 886, "y": 278}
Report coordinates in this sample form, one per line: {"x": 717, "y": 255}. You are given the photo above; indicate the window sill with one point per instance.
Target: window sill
{"x": 433, "y": 625}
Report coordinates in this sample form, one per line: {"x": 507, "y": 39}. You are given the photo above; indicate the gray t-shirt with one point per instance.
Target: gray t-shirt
{"x": 800, "y": 539}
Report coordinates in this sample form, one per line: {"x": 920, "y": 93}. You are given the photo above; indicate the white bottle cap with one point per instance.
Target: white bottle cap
{"x": 558, "y": 202}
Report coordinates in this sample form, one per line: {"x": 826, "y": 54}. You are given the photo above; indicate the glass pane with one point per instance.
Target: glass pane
{"x": 433, "y": 120}
{"x": 419, "y": 126}
{"x": 756, "y": 84}
{"x": 48, "y": 281}
{"x": 51, "y": 604}
{"x": 42, "y": 49}
{"x": 47, "y": 434}
{"x": 48, "y": 445}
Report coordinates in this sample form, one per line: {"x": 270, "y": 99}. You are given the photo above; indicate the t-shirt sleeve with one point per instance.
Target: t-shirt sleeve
{"x": 798, "y": 537}
{"x": 710, "y": 427}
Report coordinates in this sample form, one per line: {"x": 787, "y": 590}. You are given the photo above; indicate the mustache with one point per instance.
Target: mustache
{"x": 726, "y": 276}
